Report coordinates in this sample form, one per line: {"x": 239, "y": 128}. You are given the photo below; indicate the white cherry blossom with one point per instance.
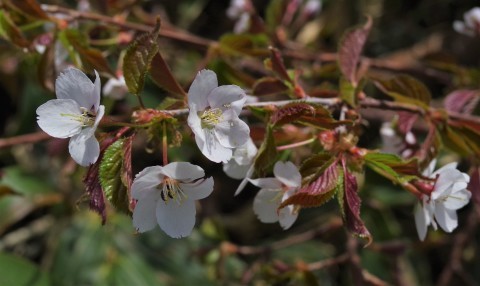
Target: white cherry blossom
{"x": 471, "y": 24}
{"x": 274, "y": 191}
{"x": 240, "y": 10}
{"x": 213, "y": 116}
{"x": 242, "y": 160}
{"x": 115, "y": 88}
{"x": 75, "y": 113}
{"x": 449, "y": 194}
{"x": 394, "y": 144}
{"x": 166, "y": 196}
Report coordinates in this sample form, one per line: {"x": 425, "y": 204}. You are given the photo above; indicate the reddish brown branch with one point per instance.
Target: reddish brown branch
{"x": 24, "y": 139}
{"x": 167, "y": 32}
{"x": 292, "y": 240}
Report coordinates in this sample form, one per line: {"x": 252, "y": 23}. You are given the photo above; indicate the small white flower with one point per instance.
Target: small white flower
{"x": 239, "y": 10}
{"x": 471, "y": 24}
{"x": 392, "y": 143}
{"x": 75, "y": 113}
{"x": 312, "y": 7}
{"x": 242, "y": 160}
{"x": 449, "y": 194}
{"x": 166, "y": 195}
{"x": 274, "y": 191}
{"x": 214, "y": 118}
{"x": 115, "y": 88}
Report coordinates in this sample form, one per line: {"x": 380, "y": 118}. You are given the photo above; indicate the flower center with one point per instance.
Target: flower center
{"x": 87, "y": 118}
{"x": 170, "y": 190}
{"x": 211, "y": 117}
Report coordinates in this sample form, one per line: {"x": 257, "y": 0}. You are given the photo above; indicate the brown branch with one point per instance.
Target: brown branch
{"x": 23, "y": 139}
{"x": 167, "y": 32}
{"x": 328, "y": 262}
{"x": 292, "y": 240}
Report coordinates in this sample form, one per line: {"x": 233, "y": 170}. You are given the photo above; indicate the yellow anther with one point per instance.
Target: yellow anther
{"x": 211, "y": 117}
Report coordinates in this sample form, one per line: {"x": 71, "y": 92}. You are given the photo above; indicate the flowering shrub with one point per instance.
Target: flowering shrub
{"x": 293, "y": 126}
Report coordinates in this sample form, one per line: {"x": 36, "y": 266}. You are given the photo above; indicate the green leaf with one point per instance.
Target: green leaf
{"x": 347, "y": 92}
{"x": 163, "y": 77}
{"x": 244, "y": 44}
{"x": 111, "y": 178}
{"x": 266, "y": 153}
{"x": 138, "y": 59}
{"x": 274, "y": 14}
{"x": 24, "y": 183}
{"x": 10, "y": 31}
{"x": 453, "y": 139}
{"x": 406, "y": 89}
{"x": 392, "y": 167}
{"x": 21, "y": 272}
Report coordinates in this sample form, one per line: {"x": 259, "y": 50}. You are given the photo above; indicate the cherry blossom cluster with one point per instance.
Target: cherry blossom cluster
{"x": 166, "y": 195}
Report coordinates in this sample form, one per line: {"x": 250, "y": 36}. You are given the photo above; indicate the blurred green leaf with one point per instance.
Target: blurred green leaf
{"x": 244, "y": 44}
{"x": 25, "y": 183}
{"x": 18, "y": 271}
{"x": 406, "y": 89}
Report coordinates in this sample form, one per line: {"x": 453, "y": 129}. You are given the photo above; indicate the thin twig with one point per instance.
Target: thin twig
{"x": 292, "y": 240}
{"x": 24, "y": 139}
{"x": 167, "y": 32}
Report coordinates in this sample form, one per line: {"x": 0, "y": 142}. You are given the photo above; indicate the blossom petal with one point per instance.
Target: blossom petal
{"x": 244, "y": 182}
{"x": 233, "y": 133}
{"x": 287, "y": 216}
{"x": 223, "y": 96}
{"x": 447, "y": 219}
{"x": 146, "y": 182}
{"x": 457, "y": 200}
{"x": 84, "y": 149}
{"x": 421, "y": 221}
{"x": 57, "y": 118}
{"x": 183, "y": 171}
{"x": 234, "y": 170}
{"x": 99, "y": 116}
{"x": 245, "y": 154}
{"x": 96, "y": 91}
{"x": 144, "y": 218}
{"x": 176, "y": 220}
{"x": 288, "y": 174}
{"x": 198, "y": 191}
{"x": 266, "y": 183}
{"x": 265, "y": 205}
{"x": 204, "y": 83}
{"x": 212, "y": 149}
{"x": 74, "y": 84}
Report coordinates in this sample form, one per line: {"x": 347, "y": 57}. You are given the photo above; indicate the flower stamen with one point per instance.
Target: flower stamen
{"x": 87, "y": 118}
{"x": 211, "y": 117}
{"x": 170, "y": 190}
